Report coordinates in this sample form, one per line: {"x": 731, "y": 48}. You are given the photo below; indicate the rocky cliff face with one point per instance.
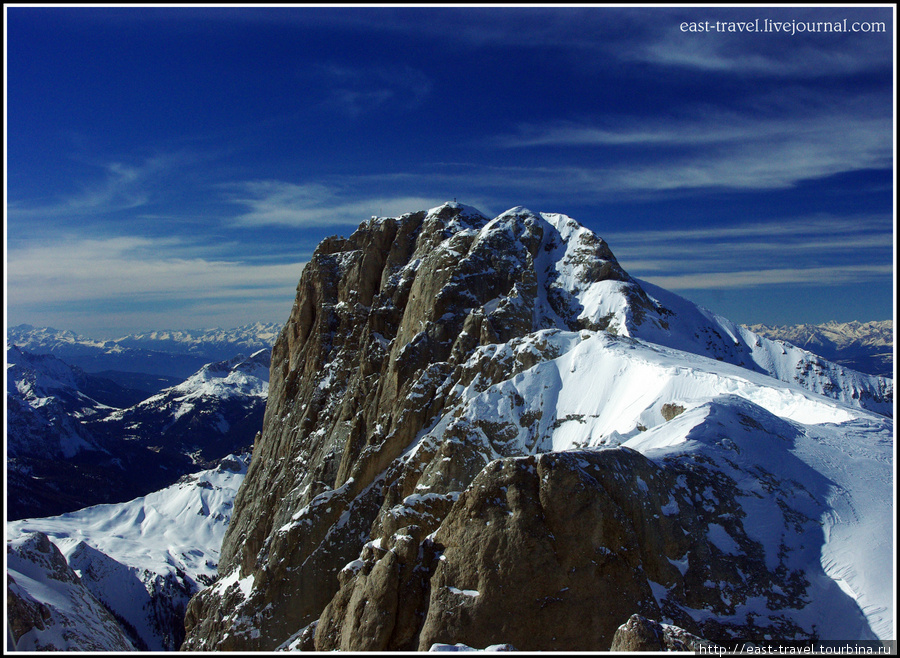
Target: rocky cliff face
{"x": 408, "y": 489}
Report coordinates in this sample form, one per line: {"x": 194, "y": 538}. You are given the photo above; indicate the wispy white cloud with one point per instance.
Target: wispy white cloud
{"x": 137, "y": 270}
{"x": 821, "y": 276}
{"x": 117, "y": 186}
{"x": 710, "y": 125}
{"x": 835, "y": 228}
{"x": 271, "y": 202}
{"x": 792, "y": 251}
{"x": 772, "y": 146}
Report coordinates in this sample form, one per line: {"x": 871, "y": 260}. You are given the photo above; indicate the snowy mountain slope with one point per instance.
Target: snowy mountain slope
{"x": 67, "y": 451}
{"x": 865, "y": 346}
{"x": 845, "y": 465}
{"x": 606, "y": 391}
{"x": 143, "y": 559}
{"x": 167, "y": 353}
{"x": 695, "y": 329}
{"x": 485, "y": 432}
{"x": 577, "y": 268}
{"x": 48, "y": 606}
{"x": 215, "y": 411}
{"x": 836, "y": 477}
{"x": 46, "y": 407}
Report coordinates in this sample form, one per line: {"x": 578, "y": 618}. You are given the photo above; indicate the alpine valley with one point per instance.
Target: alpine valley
{"x": 76, "y": 438}
{"x": 478, "y": 433}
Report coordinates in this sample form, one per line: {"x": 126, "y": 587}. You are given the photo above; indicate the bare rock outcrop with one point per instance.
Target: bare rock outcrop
{"x": 382, "y": 327}
{"x": 646, "y": 635}
{"x": 545, "y": 553}
{"x": 406, "y": 490}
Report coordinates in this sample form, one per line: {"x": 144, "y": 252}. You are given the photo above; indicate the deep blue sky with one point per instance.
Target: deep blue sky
{"x": 175, "y": 167}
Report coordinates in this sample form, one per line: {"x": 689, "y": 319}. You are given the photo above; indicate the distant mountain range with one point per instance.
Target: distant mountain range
{"x": 76, "y": 439}
{"x": 168, "y": 354}
{"x": 864, "y": 346}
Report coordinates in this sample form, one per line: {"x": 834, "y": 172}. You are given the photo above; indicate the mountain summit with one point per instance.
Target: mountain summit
{"x": 484, "y": 431}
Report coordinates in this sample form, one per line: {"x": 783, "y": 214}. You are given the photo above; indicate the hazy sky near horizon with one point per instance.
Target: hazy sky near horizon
{"x": 174, "y": 167}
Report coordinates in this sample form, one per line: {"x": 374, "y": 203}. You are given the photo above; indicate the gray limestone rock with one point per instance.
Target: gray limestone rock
{"x": 378, "y": 513}
{"x": 645, "y": 635}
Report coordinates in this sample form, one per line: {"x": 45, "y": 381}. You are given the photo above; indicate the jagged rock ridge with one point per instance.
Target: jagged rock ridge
{"x": 422, "y": 349}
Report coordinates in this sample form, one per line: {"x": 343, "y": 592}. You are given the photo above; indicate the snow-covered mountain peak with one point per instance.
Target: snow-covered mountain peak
{"x": 28, "y": 336}
{"x": 520, "y": 212}
{"x": 461, "y": 403}
{"x": 47, "y": 373}
{"x": 452, "y": 208}
{"x": 240, "y": 375}
{"x": 551, "y": 268}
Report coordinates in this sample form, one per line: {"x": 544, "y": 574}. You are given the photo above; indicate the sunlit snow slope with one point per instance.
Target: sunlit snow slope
{"x": 144, "y": 559}
{"x": 607, "y": 391}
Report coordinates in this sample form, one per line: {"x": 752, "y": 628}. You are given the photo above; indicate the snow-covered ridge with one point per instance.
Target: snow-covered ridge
{"x": 605, "y": 390}
{"x": 240, "y": 380}
{"x": 699, "y": 330}
{"x": 581, "y": 284}
{"x": 144, "y": 558}
{"x": 243, "y": 376}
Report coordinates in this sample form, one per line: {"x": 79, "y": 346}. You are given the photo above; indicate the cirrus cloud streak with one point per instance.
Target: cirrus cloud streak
{"x": 78, "y": 271}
